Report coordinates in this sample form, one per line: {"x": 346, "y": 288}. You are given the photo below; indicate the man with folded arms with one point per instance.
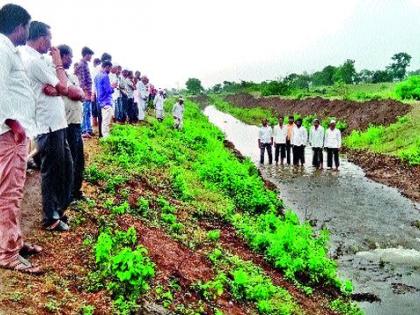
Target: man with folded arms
{"x": 316, "y": 140}
{"x": 49, "y": 82}
{"x": 17, "y": 123}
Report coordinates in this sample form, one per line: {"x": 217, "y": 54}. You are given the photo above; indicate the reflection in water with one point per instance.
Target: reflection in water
{"x": 361, "y": 214}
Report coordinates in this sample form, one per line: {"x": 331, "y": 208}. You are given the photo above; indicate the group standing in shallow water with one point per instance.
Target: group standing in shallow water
{"x": 292, "y": 139}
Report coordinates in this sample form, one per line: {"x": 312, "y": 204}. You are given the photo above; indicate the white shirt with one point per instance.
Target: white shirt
{"x": 49, "y": 110}
{"x": 142, "y": 90}
{"x": 332, "y": 138}
{"x": 265, "y": 134}
{"x": 74, "y": 109}
{"x": 279, "y": 134}
{"x": 300, "y": 136}
{"x": 178, "y": 110}
{"x": 94, "y": 73}
{"x": 17, "y": 99}
{"x": 158, "y": 102}
{"x": 114, "y": 79}
{"x": 316, "y": 137}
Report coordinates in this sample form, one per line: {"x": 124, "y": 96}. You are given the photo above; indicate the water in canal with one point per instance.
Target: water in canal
{"x": 370, "y": 223}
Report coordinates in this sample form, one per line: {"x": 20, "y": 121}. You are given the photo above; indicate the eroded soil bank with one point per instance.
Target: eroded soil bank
{"x": 357, "y": 115}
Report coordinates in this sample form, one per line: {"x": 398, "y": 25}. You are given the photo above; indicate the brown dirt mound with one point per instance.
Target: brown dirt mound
{"x": 357, "y": 115}
{"x": 389, "y": 170}
{"x": 174, "y": 260}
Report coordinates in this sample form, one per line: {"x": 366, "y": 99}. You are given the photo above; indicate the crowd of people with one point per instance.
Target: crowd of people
{"x": 292, "y": 138}
{"x": 47, "y": 108}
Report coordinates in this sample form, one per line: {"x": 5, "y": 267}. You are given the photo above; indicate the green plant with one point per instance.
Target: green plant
{"x": 124, "y": 267}
{"x": 213, "y": 235}
{"x": 409, "y": 89}
{"x": 87, "y": 310}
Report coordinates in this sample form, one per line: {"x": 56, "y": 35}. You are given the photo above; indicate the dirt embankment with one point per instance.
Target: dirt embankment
{"x": 389, "y": 171}
{"x": 357, "y": 115}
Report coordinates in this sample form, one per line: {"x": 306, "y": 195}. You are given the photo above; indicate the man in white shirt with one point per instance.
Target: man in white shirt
{"x": 178, "y": 113}
{"x": 265, "y": 141}
{"x": 115, "y": 80}
{"x": 74, "y": 113}
{"x": 142, "y": 89}
{"x": 316, "y": 140}
{"x": 54, "y": 151}
{"x": 279, "y": 135}
{"x": 333, "y": 145}
{"x": 158, "y": 102}
{"x": 299, "y": 140}
{"x": 17, "y": 123}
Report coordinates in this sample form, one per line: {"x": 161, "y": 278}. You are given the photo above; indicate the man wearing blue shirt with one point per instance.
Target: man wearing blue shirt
{"x": 104, "y": 92}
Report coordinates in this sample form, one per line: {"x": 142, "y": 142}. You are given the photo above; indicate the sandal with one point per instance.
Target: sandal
{"x": 29, "y": 249}
{"x": 22, "y": 265}
{"x": 59, "y": 226}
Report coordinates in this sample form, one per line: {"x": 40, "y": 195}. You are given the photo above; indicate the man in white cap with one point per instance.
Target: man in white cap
{"x": 299, "y": 141}
{"x": 178, "y": 113}
{"x": 333, "y": 144}
{"x": 316, "y": 140}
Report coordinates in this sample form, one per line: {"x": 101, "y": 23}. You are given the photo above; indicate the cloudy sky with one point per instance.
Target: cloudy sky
{"x": 217, "y": 40}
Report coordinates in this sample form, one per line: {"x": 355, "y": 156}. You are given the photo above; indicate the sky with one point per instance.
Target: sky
{"x": 233, "y": 40}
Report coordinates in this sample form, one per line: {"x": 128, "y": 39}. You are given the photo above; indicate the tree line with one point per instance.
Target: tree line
{"x": 330, "y": 75}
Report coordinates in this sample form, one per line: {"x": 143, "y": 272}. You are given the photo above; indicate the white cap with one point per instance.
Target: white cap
{"x": 332, "y": 121}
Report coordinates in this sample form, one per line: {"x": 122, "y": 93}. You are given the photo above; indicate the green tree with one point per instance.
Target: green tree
{"x": 324, "y": 77}
{"x": 194, "y": 86}
{"x": 365, "y": 76}
{"x": 381, "y": 76}
{"x": 346, "y": 73}
{"x": 217, "y": 88}
{"x": 398, "y": 69}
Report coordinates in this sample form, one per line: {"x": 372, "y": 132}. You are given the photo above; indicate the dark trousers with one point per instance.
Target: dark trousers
{"x": 74, "y": 139}
{"x": 263, "y": 147}
{"x": 280, "y": 149}
{"x": 317, "y": 158}
{"x": 98, "y": 110}
{"x": 124, "y": 108}
{"x": 131, "y": 111}
{"x": 298, "y": 154}
{"x": 56, "y": 174}
{"x": 331, "y": 152}
{"x": 288, "y": 151}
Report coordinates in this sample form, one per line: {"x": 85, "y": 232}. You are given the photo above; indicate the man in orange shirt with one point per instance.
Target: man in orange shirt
{"x": 290, "y": 126}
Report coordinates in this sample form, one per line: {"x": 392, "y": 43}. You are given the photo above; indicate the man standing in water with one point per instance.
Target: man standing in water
{"x": 265, "y": 141}
{"x": 333, "y": 145}
{"x": 316, "y": 140}
{"x": 299, "y": 140}
{"x": 290, "y": 126}
{"x": 280, "y": 134}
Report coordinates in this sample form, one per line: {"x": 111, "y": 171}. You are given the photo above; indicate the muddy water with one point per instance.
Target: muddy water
{"x": 370, "y": 224}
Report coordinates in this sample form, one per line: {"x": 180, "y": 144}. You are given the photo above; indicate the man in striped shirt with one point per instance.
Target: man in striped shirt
{"x": 85, "y": 80}
{"x": 17, "y": 123}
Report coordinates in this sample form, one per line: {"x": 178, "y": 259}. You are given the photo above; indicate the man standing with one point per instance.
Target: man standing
{"x": 54, "y": 151}
{"x": 143, "y": 92}
{"x": 85, "y": 80}
{"x": 316, "y": 140}
{"x": 104, "y": 92}
{"x": 299, "y": 140}
{"x": 131, "y": 109}
{"x": 158, "y": 102}
{"x": 265, "y": 141}
{"x": 280, "y": 134}
{"x": 17, "y": 123}
{"x": 333, "y": 145}
{"x": 115, "y": 80}
{"x": 290, "y": 127}
{"x": 178, "y": 113}
{"x": 74, "y": 108}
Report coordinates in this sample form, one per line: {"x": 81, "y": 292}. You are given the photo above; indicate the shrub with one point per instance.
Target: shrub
{"x": 409, "y": 89}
